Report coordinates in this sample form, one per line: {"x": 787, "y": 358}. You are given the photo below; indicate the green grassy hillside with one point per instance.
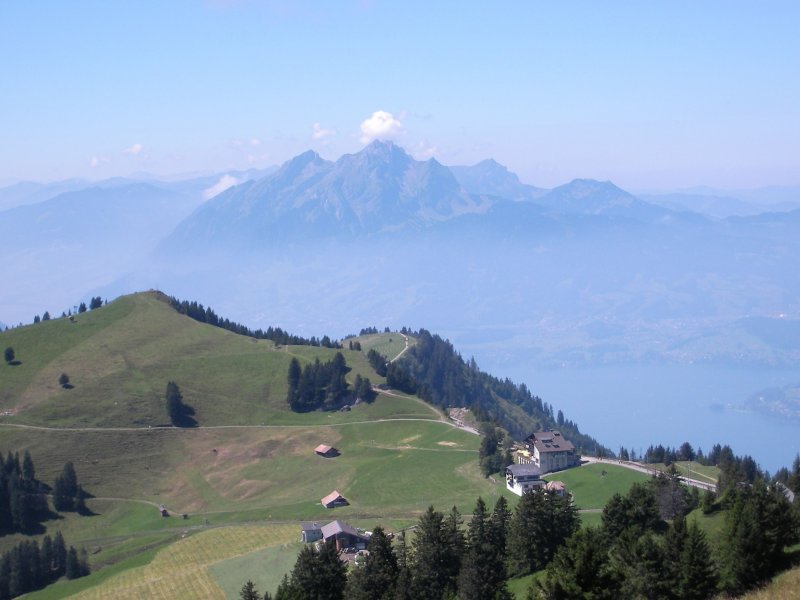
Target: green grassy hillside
{"x": 250, "y": 460}
{"x": 119, "y": 359}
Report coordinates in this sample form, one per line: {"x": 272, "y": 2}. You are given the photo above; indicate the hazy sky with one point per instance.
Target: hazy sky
{"x": 649, "y": 95}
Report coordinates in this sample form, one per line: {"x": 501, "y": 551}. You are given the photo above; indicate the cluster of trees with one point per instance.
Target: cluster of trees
{"x": 28, "y": 566}
{"x": 374, "y": 330}
{"x": 68, "y": 495}
{"x": 94, "y": 303}
{"x": 276, "y": 334}
{"x": 317, "y": 385}
{"x": 636, "y": 554}
{"x": 180, "y": 414}
{"x": 23, "y": 499}
{"x": 734, "y": 469}
{"x": 354, "y": 345}
{"x": 323, "y": 385}
{"x": 494, "y": 453}
{"x": 443, "y": 559}
{"x": 438, "y": 374}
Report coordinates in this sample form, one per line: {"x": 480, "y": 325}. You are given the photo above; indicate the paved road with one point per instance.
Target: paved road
{"x": 642, "y": 468}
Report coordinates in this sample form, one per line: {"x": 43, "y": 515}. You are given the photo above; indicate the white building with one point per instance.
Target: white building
{"x": 551, "y": 451}
{"x": 522, "y": 478}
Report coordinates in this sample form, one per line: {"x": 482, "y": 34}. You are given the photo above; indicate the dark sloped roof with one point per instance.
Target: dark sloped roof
{"x": 335, "y": 527}
{"x": 518, "y": 470}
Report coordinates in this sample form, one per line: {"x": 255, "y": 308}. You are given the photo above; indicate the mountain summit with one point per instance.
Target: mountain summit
{"x": 380, "y": 188}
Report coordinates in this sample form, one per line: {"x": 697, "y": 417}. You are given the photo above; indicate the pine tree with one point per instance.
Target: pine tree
{"x": 249, "y": 592}
{"x": 482, "y": 574}
{"x": 698, "y": 575}
{"x": 541, "y": 523}
{"x": 28, "y": 470}
{"x": 175, "y": 407}
{"x": 376, "y": 580}
{"x": 73, "y": 567}
{"x": 579, "y": 570}
{"x": 432, "y": 558}
{"x": 318, "y": 575}
{"x": 9, "y": 355}
{"x": 59, "y": 555}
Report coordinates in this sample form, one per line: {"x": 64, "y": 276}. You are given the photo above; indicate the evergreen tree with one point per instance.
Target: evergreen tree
{"x": 319, "y": 575}
{"x": 9, "y": 355}
{"x": 73, "y": 566}
{"x": 482, "y": 574}
{"x": 758, "y": 526}
{"x": 28, "y": 470}
{"x": 63, "y": 380}
{"x": 579, "y": 570}
{"x": 638, "y": 561}
{"x": 698, "y": 576}
{"x": 541, "y": 523}
{"x": 179, "y": 413}
{"x": 377, "y": 579}
{"x": 249, "y": 592}
{"x": 82, "y": 307}
{"x": 65, "y": 488}
{"x": 59, "y": 555}
{"x": 433, "y": 558}
{"x": 637, "y": 509}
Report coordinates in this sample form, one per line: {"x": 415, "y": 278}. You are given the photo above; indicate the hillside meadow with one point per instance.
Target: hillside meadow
{"x": 247, "y": 474}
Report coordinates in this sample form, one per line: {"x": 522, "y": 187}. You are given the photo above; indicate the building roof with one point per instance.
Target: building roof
{"x": 551, "y": 441}
{"x": 522, "y": 470}
{"x": 336, "y": 527}
{"x": 334, "y": 495}
{"x": 556, "y": 486}
{"x": 309, "y": 526}
{"x": 322, "y": 449}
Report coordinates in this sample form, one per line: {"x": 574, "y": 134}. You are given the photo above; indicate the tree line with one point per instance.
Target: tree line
{"x": 434, "y": 371}
{"x": 443, "y": 559}
{"x": 29, "y": 566}
{"x": 644, "y": 548}
{"x": 23, "y": 498}
{"x": 635, "y": 553}
{"x": 322, "y": 385}
{"x": 207, "y": 315}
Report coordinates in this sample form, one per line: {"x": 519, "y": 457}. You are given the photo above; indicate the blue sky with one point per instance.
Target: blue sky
{"x": 650, "y": 95}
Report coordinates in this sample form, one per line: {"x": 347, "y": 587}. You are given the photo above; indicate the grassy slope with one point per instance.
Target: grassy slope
{"x": 120, "y": 358}
{"x": 593, "y": 485}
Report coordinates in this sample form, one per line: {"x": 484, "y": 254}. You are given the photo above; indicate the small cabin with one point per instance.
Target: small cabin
{"x": 334, "y": 499}
{"x": 326, "y": 451}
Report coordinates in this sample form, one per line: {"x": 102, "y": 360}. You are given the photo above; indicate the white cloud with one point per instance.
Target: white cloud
{"x": 255, "y": 142}
{"x": 96, "y": 161}
{"x": 320, "y": 133}
{"x": 225, "y": 182}
{"x": 135, "y": 149}
{"x": 381, "y": 126}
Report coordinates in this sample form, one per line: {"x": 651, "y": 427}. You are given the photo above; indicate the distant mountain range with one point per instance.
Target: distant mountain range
{"x": 583, "y": 273}
{"x": 382, "y": 189}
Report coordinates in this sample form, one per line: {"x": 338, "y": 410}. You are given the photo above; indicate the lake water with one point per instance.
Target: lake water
{"x": 639, "y": 405}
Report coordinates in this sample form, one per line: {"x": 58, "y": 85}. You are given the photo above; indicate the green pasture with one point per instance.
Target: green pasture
{"x": 593, "y": 485}
{"x": 265, "y": 568}
{"x": 387, "y": 344}
{"x": 120, "y": 357}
